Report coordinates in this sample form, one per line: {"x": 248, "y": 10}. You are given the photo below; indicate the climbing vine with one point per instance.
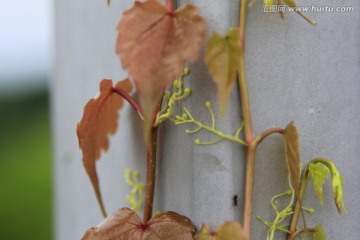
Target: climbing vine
{"x": 154, "y": 43}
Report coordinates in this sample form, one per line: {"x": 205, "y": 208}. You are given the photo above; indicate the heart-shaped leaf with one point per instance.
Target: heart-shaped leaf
{"x": 100, "y": 120}
{"x": 153, "y": 44}
{"x": 222, "y": 55}
{"x": 292, "y": 151}
{"x": 125, "y": 224}
{"x": 227, "y": 231}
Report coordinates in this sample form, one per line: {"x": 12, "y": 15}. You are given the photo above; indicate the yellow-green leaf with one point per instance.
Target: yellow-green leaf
{"x": 319, "y": 174}
{"x": 337, "y": 190}
{"x": 222, "y": 55}
{"x": 337, "y": 181}
{"x": 268, "y": 2}
{"x": 319, "y": 233}
{"x": 292, "y": 4}
{"x": 292, "y": 151}
{"x": 227, "y": 231}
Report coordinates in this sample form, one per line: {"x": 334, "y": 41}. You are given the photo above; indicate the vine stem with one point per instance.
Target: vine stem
{"x": 151, "y": 154}
{"x": 150, "y": 174}
{"x": 295, "y": 216}
{"x": 249, "y": 134}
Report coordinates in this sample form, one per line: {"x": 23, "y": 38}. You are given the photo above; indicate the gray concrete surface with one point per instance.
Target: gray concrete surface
{"x": 295, "y": 72}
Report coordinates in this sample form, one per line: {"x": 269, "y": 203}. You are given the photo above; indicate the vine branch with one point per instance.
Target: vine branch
{"x": 249, "y": 134}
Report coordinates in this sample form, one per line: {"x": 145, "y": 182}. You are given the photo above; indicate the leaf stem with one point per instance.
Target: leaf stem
{"x": 150, "y": 175}
{"x": 268, "y": 132}
{"x": 170, "y": 5}
{"x": 130, "y": 100}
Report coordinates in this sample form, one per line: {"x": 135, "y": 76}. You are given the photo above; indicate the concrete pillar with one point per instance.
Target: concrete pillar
{"x": 295, "y": 72}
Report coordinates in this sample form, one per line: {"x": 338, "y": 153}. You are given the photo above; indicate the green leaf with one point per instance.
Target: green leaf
{"x": 292, "y": 152}
{"x": 319, "y": 233}
{"x": 337, "y": 182}
{"x": 337, "y": 190}
{"x": 222, "y": 54}
{"x": 337, "y": 187}
{"x": 319, "y": 174}
{"x": 292, "y": 4}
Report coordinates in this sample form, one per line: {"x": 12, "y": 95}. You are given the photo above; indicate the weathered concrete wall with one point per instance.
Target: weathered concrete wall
{"x": 295, "y": 72}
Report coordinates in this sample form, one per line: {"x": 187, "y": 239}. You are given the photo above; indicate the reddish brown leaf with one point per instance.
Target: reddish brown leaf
{"x": 292, "y": 151}
{"x": 154, "y": 44}
{"x": 124, "y": 224}
{"x": 227, "y": 231}
{"x": 98, "y": 122}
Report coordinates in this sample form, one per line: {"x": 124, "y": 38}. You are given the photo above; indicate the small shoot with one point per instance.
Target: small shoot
{"x": 135, "y": 198}
{"x": 318, "y": 174}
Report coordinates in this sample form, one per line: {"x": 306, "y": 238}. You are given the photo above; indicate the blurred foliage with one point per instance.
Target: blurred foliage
{"x": 25, "y": 168}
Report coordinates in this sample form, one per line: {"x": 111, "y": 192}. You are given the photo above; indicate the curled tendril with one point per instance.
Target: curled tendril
{"x": 281, "y": 215}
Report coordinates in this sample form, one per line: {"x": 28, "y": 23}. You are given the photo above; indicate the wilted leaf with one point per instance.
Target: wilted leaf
{"x": 227, "y": 231}
{"x": 319, "y": 233}
{"x": 222, "y": 55}
{"x": 125, "y": 224}
{"x": 292, "y": 151}
{"x": 98, "y": 122}
{"x": 292, "y": 4}
{"x": 154, "y": 44}
{"x": 319, "y": 174}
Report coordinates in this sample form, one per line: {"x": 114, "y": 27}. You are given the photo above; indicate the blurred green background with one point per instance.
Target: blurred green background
{"x": 25, "y": 147}
{"x": 25, "y": 167}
